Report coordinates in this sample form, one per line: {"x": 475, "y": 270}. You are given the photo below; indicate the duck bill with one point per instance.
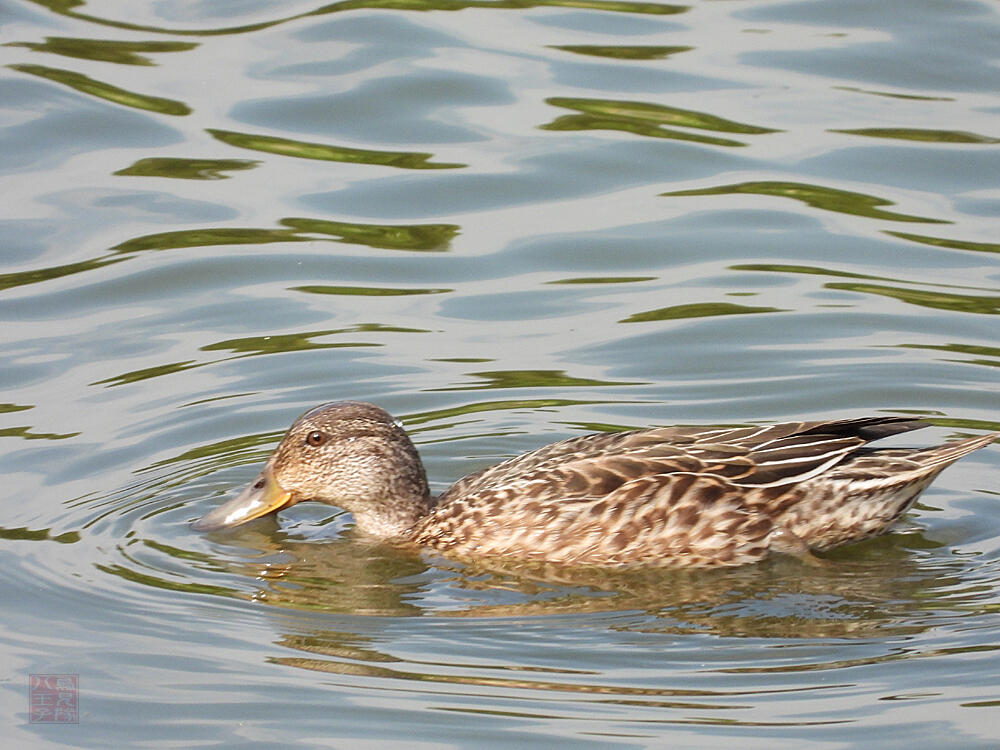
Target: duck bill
{"x": 263, "y": 496}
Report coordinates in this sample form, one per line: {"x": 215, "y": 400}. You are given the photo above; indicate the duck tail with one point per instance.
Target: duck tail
{"x": 942, "y": 455}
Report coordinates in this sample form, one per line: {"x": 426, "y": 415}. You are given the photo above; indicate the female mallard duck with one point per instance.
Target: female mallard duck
{"x": 691, "y": 496}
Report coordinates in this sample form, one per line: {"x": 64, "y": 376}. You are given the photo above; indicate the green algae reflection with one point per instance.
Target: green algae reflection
{"x": 253, "y": 346}
{"x": 146, "y": 373}
{"x": 815, "y": 196}
{"x": 603, "y": 280}
{"x": 923, "y": 135}
{"x": 820, "y": 271}
{"x": 26, "y": 434}
{"x": 807, "y": 270}
{"x": 623, "y": 52}
{"x": 326, "y": 152}
{"x": 206, "y": 238}
{"x": 896, "y": 95}
{"x": 697, "y": 310}
{"x": 968, "y": 303}
{"x": 532, "y": 404}
{"x": 104, "y": 50}
{"x": 382, "y": 236}
{"x": 161, "y": 241}
{"x": 186, "y": 169}
{"x": 978, "y": 247}
{"x": 645, "y": 119}
{"x": 35, "y": 276}
{"x": 23, "y": 533}
{"x": 281, "y": 343}
{"x": 11, "y": 408}
{"x": 86, "y": 85}
{"x": 69, "y": 8}
{"x": 614, "y": 6}
{"x": 530, "y": 379}
{"x": 365, "y": 291}
{"x": 234, "y": 451}
{"x": 415, "y": 237}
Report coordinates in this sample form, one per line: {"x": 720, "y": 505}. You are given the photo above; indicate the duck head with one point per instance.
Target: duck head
{"x": 349, "y": 454}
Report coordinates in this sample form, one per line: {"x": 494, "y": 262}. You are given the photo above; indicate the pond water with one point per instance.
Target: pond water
{"x": 508, "y": 222}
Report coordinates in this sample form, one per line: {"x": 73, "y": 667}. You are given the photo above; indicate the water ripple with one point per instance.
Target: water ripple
{"x": 509, "y": 222}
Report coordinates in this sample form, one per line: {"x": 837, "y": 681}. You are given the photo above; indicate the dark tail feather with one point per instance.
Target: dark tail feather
{"x": 868, "y": 428}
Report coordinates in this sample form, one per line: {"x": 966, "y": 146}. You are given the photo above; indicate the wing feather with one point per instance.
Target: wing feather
{"x": 746, "y": 456}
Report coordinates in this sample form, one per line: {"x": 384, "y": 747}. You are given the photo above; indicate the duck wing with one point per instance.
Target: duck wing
{"x": 594, "y": 465}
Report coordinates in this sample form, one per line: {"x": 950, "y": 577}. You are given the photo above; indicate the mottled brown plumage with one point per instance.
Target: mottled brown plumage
{"x": 688, "y": 496}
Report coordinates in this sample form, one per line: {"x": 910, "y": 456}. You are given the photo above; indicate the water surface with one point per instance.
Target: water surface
{"x": 508, "y": 222}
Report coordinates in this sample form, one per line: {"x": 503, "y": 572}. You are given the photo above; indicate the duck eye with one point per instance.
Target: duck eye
{"x": 315, "y": 438}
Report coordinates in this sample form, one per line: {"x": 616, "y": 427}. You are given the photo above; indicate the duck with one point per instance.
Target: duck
{"x": 665, "y": 496}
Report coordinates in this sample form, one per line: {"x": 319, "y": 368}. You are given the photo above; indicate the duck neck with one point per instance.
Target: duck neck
{"x": 405, "y": 501}
{"x": 389, "y": 522}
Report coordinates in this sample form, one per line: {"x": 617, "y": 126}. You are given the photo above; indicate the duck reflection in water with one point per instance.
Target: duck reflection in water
{"x": 871, "y": 590}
